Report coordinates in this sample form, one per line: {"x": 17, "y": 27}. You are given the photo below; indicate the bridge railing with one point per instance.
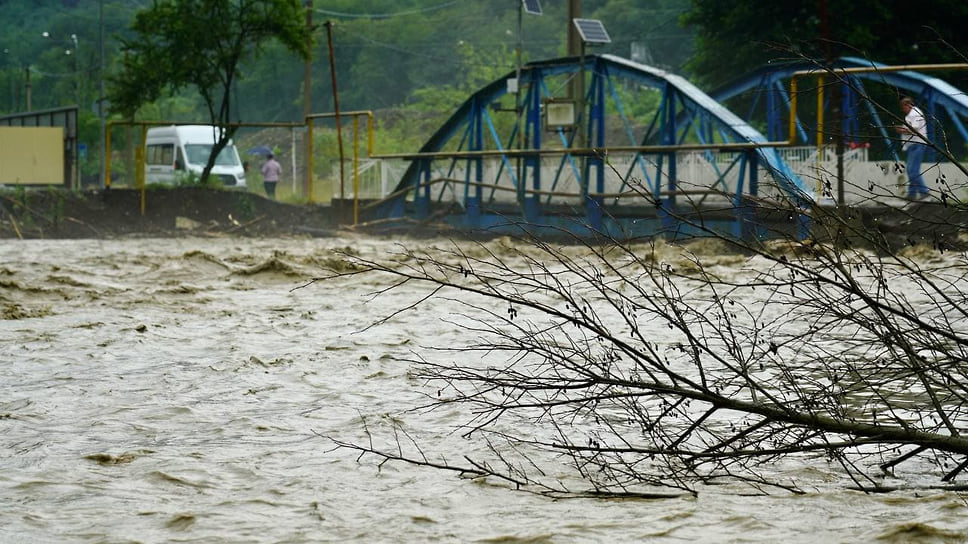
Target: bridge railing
{"x": 703, "y": 175}
{"x": 866, "y": 181}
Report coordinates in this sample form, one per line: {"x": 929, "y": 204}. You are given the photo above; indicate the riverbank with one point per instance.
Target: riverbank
{"x": 61, "y": 214}
{"x": 54, "y": 213}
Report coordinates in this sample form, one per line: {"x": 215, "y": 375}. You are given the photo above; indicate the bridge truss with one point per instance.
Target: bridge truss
{"x": 497, "y": 163}
{"x": 648, "y": 154}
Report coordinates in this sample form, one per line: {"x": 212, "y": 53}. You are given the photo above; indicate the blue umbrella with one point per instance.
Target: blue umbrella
{"x": 260, "y": 150}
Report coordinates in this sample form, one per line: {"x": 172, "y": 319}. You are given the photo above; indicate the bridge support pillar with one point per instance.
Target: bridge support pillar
{"x": 421, "y": 196}
{"x": 421, "y": 206}
{"x": 532, "y": 208}
{"x": 397, "y": 209}
{"x": 745, "y": 226}
{"x": 593, "y": 212}
{"x": 670, "y": 225}
{"x": 472, "y": 212}
{"x": 803, "y": 226}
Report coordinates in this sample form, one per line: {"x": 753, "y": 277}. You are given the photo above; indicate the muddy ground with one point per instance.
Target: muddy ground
{"x": 57, "y": 213}
{"x": 196, "y": 211}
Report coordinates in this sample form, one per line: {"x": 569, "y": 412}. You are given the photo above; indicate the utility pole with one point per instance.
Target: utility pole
{"x": 100, "y": 98}
{"x": 308, "y": 68}
{"x": 77, "y": 73}
{"x": 517, "y": 77}
{"x": 574, "y": 40}
{"x": 307, "y": 99}
{"x": 576, "y": 48}
{"x": 836, "y": 100}
{"x": 519, "y": 107}
{"x": 27, "y": 86}
{"x": 339, "y": 130}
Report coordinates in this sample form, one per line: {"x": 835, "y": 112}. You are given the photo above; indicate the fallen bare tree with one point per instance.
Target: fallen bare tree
{"x": 642, "y": 367}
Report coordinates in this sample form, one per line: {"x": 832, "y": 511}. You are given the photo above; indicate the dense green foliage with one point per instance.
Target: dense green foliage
{"x": 176, "y": 47}
{"x": 756, "y": 33}
{"x": 389, "y": 53}
{"x": 413, "y": 61}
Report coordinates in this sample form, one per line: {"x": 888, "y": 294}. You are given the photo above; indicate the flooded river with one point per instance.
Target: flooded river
{"x": 180, "y": 390}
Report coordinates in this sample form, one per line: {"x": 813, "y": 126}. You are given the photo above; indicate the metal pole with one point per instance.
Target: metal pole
{"x": 100, "y": 99}
{"x": 107, "y": 165}
{"x": 77, "y": 73}
{"x": 580, "y": 99}
{"x": 339, "y": 132}
{"x": 575, "y": 45}
{"x": 27, "y": 87}
{"x": 309, "y": 159}
{"x": 308, "y": 67}
{"x": 292, "y": 135}
{"x": 574, "y": 40}
{"x": 518, "y": 108}
{"x": 356, "y": 172}
{"x": 819, "y": 137}
{"x": 517, "y": 73}
{"x": 889, "y": 68}
{"x": 307, "y": 101}
{"x": 835, "y": 101}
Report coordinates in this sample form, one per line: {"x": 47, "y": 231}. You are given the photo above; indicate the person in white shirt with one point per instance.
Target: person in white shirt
{"x": 915, "y": 144}
{"x": 270, "y": 175}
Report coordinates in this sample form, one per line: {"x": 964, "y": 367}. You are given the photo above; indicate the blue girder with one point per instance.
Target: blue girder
{"x": 686, "y": 112}
{"x": 934, "y": 94}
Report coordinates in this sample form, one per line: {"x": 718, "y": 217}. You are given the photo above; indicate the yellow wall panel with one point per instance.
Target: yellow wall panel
{"x": 31, "y": 156}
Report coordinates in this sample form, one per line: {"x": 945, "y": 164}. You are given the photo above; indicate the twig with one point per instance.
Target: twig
{"x": 16, "y": 228}
{"x": 28, "y": 209}
{"x": 78, "y": 221}
{"x": 246, "y": 224}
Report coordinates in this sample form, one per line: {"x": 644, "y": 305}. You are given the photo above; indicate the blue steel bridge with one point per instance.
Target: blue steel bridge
{"x": 652, "y": 154}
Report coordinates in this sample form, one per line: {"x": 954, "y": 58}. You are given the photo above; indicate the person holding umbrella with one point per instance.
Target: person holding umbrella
{"x": 271, "y": 170}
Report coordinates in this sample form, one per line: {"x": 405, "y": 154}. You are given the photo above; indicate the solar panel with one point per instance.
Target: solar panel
{"x": 532, "y": 6}
{"x": 591, "y": 31}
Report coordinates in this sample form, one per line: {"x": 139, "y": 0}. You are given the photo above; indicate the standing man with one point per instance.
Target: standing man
{"x": 270, "y": 175}
{"x": 915, "y": 144}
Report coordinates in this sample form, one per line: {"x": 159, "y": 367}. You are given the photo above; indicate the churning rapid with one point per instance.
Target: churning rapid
{"x": 182, "y": 390}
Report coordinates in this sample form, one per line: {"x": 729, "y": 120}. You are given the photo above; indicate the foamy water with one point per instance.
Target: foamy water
{"x": 182, "y": 389}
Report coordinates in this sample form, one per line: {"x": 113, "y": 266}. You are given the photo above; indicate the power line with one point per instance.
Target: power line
{"x": 410, "y": 52}
{"x": 385, "y": 15}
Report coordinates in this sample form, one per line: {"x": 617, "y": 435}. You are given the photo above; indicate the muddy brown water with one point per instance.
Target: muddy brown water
{"x": 159, "y": 390}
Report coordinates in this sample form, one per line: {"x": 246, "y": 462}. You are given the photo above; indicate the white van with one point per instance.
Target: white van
{"x": 175, "y": 151}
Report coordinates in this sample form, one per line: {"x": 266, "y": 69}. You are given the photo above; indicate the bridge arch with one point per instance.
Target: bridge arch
{"x": 666, "y": 150}
{"x": 769, "y": 100}
{"x": 485, "y": 165}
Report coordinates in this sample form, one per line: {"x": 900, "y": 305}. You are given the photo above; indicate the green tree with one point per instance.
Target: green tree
{"x": 647, "y": 31}
{"x": 200, "y": 44}
{"x": 755, "y": 33}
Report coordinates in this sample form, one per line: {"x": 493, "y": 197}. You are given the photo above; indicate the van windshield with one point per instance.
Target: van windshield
{"x": 198, "y": 154}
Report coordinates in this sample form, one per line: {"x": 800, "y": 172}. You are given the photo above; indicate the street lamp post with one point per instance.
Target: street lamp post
{"x": 100, "y": 98}
{"x": 70, "y": 45}
{"x": 77, "y": 74}
{"x": 8, "y": 63}
{"x": 16, "y": 62}
{"x": 27, "y": 87}
{"x": 71, "y": 51}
